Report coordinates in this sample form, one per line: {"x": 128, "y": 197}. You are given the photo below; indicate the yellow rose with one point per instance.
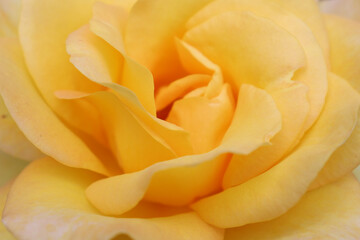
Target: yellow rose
{"x": 169, "y": 119}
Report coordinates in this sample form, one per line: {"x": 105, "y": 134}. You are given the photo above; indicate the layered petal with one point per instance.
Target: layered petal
{"x": 43, "y": 29}
{"x": 171, "y": 182}
{"x": 62, "y": 212}
{"x": 12, "y": 140}
{"x": 331, "y": 212}
{"x": 344, "y": 36}
{"x": 152, "y": 44}
{"x": 313, "y": 74}
{"x": 10, "y": 167}
{"x": 35, "y": 118}
{"x": 274, "y": 192}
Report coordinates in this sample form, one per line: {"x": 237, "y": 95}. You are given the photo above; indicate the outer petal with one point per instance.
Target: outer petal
{"x": 274, "y": 192}
{"x": 344, "y": 38}
{"x": 331, "y": 212}
{"x": 344, "y": 8}
{"x": 4, "y": 233}
{"x": 172, "y": 182}
{"x": 53, "y": 203}
{"x": 12, "y": 140}
{"x": 9, "y": 17}
{"x": 152, "y": 44}
{"x": 43, "y": 29}
{"x": 33, "y": 116}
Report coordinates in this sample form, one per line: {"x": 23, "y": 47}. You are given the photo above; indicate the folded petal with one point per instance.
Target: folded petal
{"x": 344, "y": 36}
{"x": 331, "y": 212}
{"x": 53, "y": 202}
{"x": 171, "y": 182}
{"x": 4, "y": 233}
{"x": 150, "y": 32}
{"x": 12, "y": 140}
{"x": 274, "y": 192}
{"x": 293, "y": 105}
{"x": 284, "y": 23}
{"x": 43, "y": 30}
{"x": 33, "y": 116}
{"x": 101, "y": 63}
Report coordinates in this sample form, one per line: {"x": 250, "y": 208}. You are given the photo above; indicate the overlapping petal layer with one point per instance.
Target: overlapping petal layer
{"x": 35, "y": 118}
{"x": 66, "y": 214}
{"x": 331, "y": 212}
{"x": 272, "y": 193}
{"x": 4, "y": 233}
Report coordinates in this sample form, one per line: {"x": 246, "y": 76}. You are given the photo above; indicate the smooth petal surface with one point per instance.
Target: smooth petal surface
{"x": 12, "y": 140}
{"x": 172, "y": 182}
{"x": 101, "y": 63}
{"x": 255, "y": 43}
{"x": 344, "y": 36}
{"x": 54, "y": 203}
{"x": 43, "y": 29}
{"x": 33, "y": 116}
{"x": 291, "y": 100}
{"x": 4, "y": 233}
{"x": 9, "y": 17}
{"x": 274, "y": 192}
{"x": 331, "y": 212}
{"x": 313, "y": 74}
{"x": 344, "y": 8}
{"x": 152, "y": 44}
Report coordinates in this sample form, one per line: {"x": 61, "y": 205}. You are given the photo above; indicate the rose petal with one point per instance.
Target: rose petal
{"x": 344, "y": 8}
{"x": 43, "y": 29}
{"x": 272, "y": 193}
{"x": 152, "y": 44}
{"x": 172, "y": 182}
{"x": 97, "y": 60}
{"x": 12, "y": 140}
{"x": 313, "y": 74}
{"x": 344, "y": 38}
{"x": 53, "y": 202}
{"x": 255, "y": 43}
{"x": 9, "y": 17}
{"x": 33, "y": 116}
{"x": 4, "y": 233}
{"x": 331, "y": 212}
{"x": 293, "y": 104}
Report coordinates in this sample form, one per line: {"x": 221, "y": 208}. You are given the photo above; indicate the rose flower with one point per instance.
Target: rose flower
{"x": 174, "y": 120}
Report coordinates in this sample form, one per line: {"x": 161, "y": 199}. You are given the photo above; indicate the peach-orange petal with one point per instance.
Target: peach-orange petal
{"x": 53, "y": 202}
{"x": 331, "y": 212}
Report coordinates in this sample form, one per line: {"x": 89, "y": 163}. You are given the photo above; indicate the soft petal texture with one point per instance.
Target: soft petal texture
{"x": 9, "y": 17}
{"x": 66, "y": 214}
{"x": 313, "y": 74}
{"x": 9, "y": 167}
{"x": 172, "y": 182}
{"x": 272, "y": 193}
{"x": 344, "y": 36}
{"x": 344, "y": 160}
{"x": 255, "y": 43}
{"x": 291, "y": 100}
{"x": 12, "y": 140}
{"x": 344, "y": 8}
{"x": 101, "y": 63}
{"x": 189, "y": 112}
{"x": 4, "y": 233}
{"x": 331, "y": 212}
{"x": 152, "y": 44}
{"x": 33, "y": 116}
{"x": 43, "y": 29}
{"x": 356, "y": 172}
